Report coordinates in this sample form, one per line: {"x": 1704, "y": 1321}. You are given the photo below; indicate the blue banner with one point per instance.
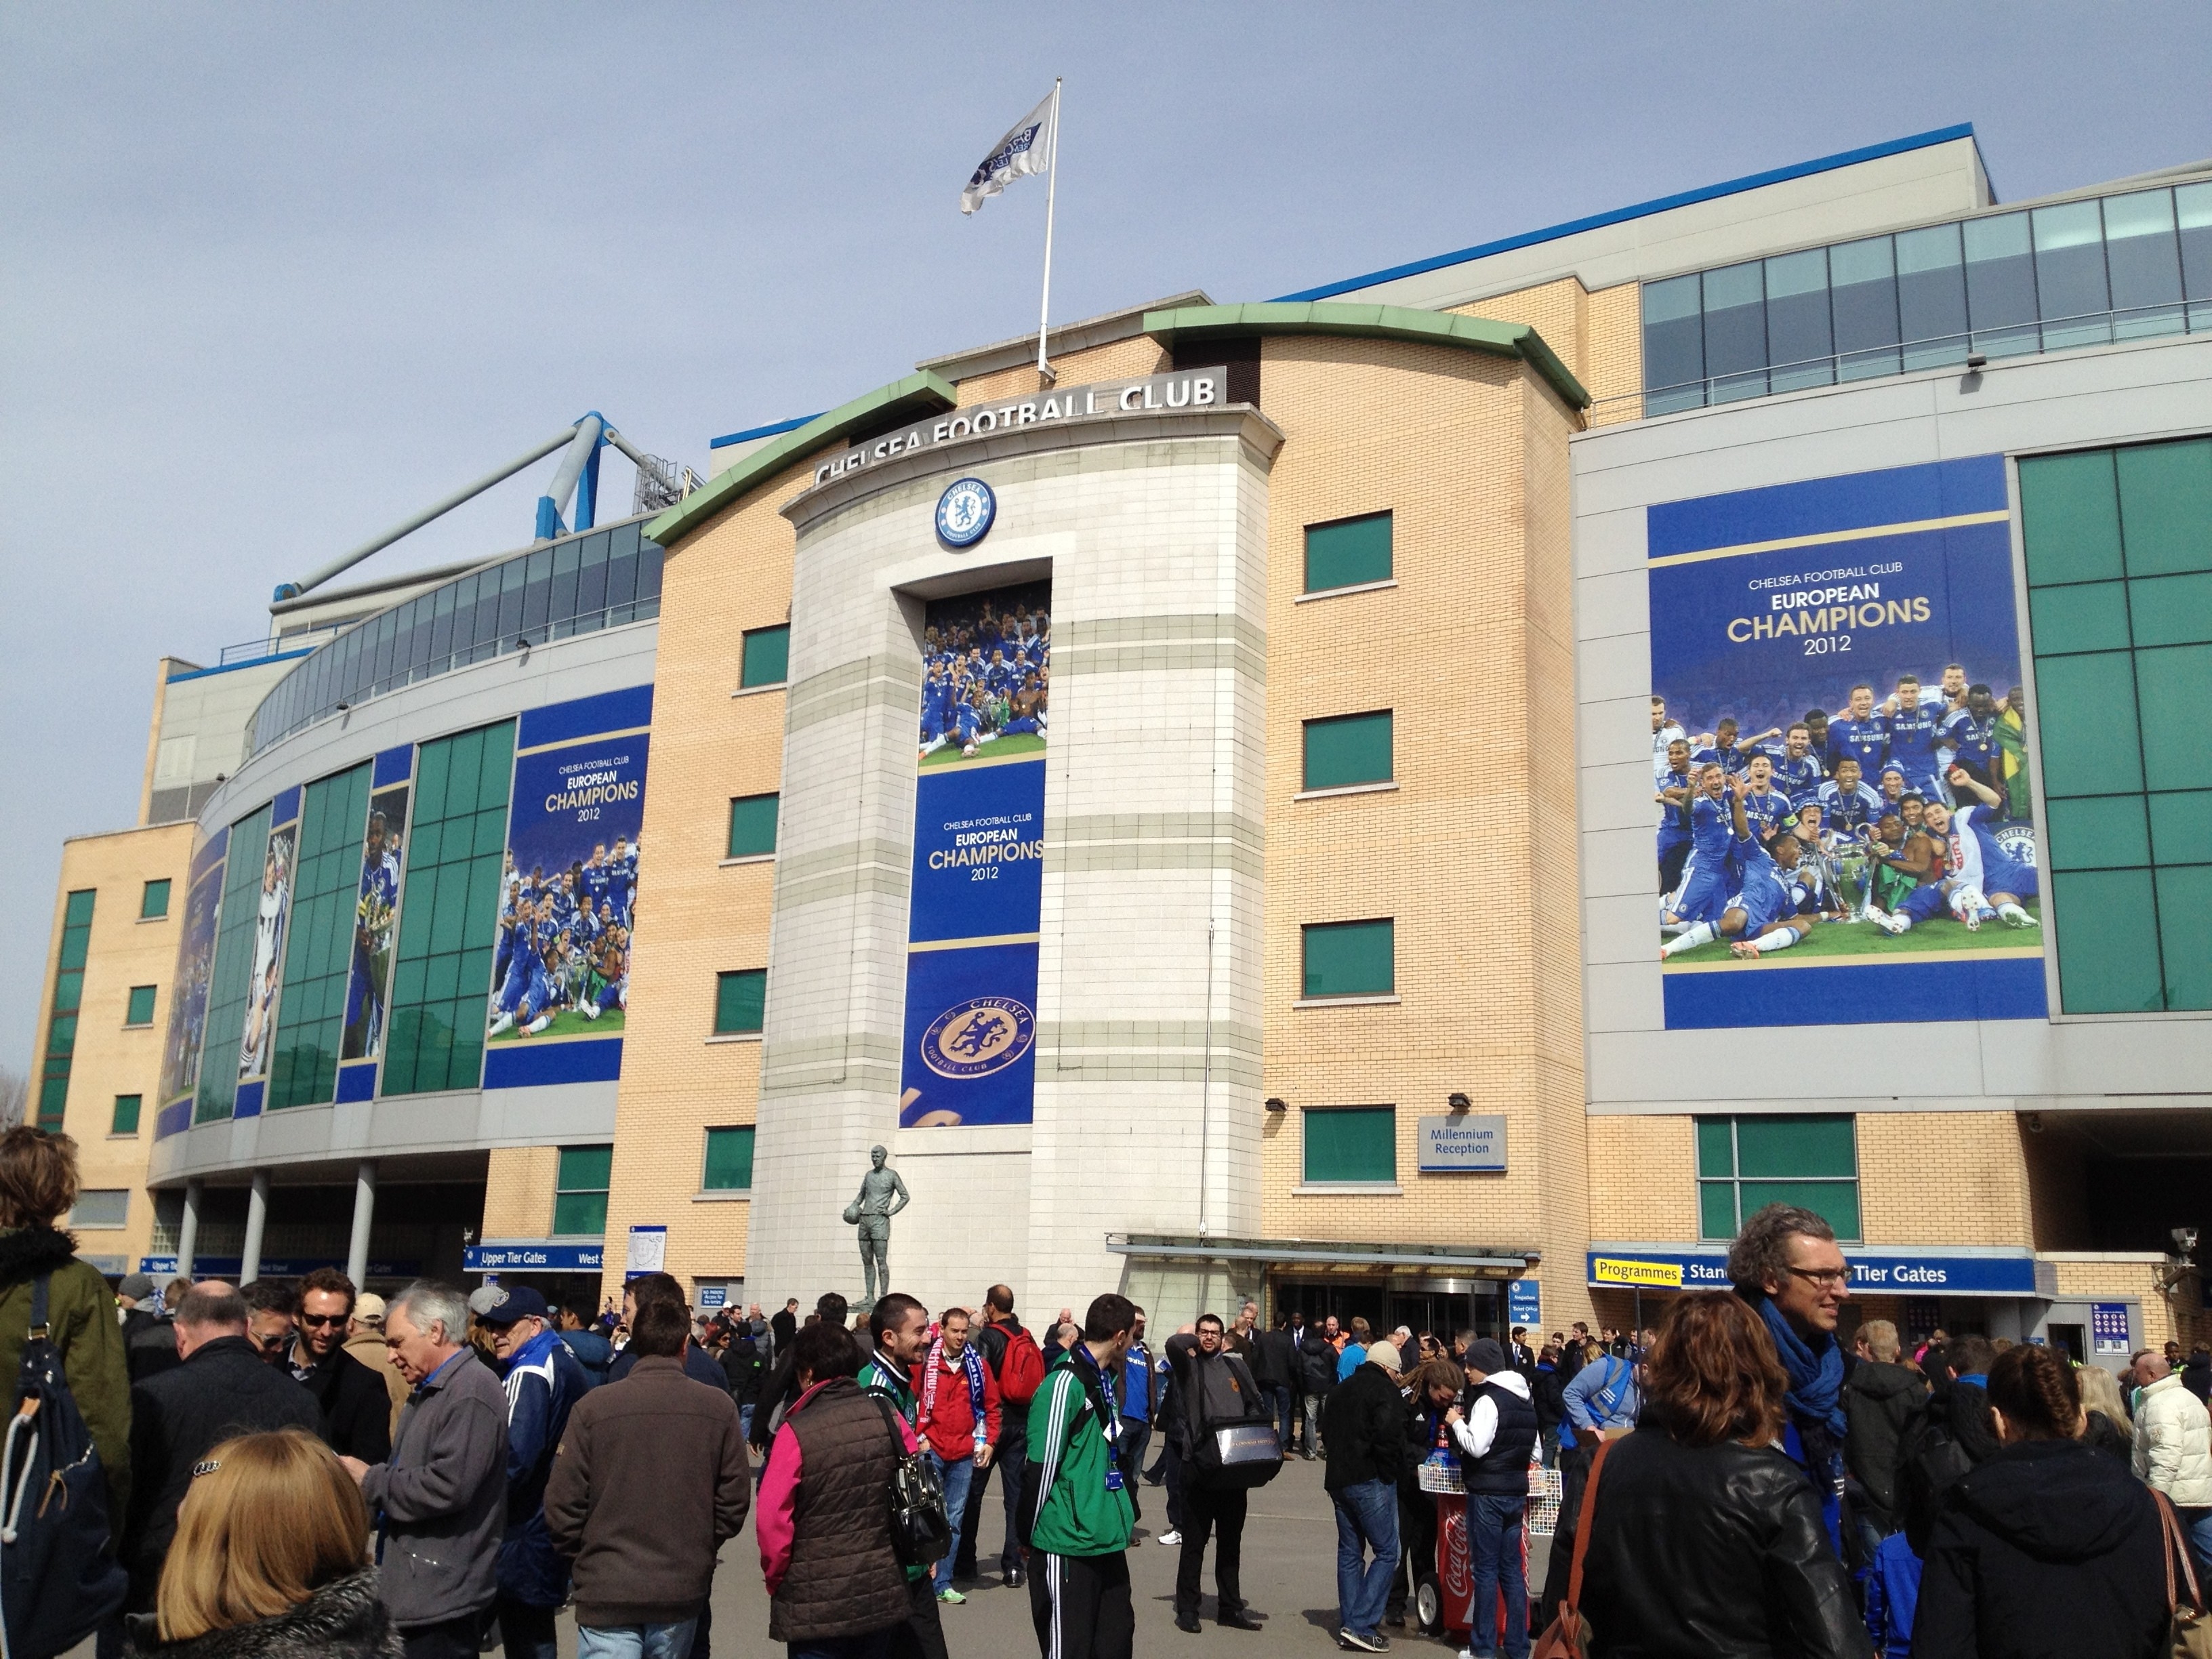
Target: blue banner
{"x": 1837, "y": 661}
{"x": 968, "y": 1055}
{"x": 1878, "y": 1272}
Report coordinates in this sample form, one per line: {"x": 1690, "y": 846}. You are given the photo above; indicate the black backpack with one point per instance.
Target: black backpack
{"x": 60, "y": 1579}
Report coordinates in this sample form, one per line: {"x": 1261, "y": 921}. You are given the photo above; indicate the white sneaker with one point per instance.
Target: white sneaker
{"x": 2013, "y": 916}
{"x": 1894, "y": 924}
{"x": 1169, "y": 1537}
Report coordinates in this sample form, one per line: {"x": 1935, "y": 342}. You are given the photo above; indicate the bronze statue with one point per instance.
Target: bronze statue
{"x": 882, "y": 1196}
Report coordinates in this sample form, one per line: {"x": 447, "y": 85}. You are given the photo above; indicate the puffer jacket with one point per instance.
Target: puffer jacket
{"x": 1711, "y": 1552}
{"x": 2173, "y": 1444}
{"x": 82, "y": 1323}
{"x": 824, "y": 1517}
{"x": 342, "y": 1620}
{"x": 2047, "y": 1549}
{"x": 1879, "y": 1401}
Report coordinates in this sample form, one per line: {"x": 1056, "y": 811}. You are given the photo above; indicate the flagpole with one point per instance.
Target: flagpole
{"x": 1051, "y": 190}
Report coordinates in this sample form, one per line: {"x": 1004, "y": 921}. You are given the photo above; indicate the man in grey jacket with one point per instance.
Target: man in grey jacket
{"x": 440, "y": 1502}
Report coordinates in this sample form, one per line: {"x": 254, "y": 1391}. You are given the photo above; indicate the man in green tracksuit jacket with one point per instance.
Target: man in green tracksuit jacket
{"x": 1075, "y": 1513}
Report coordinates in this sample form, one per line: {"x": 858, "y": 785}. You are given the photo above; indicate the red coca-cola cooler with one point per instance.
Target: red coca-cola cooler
{"x": 1444, "y": 1592}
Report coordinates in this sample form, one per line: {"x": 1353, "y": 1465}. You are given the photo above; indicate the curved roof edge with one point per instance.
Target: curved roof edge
{"x": 1374, "y": 322}
{"x": 920, "y": 393}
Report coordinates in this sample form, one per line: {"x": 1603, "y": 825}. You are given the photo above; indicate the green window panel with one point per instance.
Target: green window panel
{"x": 1349, "y": 959}
{"x": 2098, "y": 832}
{"x": 77, "y": 927}
{"x": 1348, "y": 552}
{"x": 53, "y": 1097}
{"x": 2174, "y": 687}
{"x": 752, "y": 826}
{"x": 448, "y": 912}
{"x": 1746, "y": 1162}
{"x": 2070, "y": 517}
{"x": 2086, "y": 703}
{"x": 1352, "y": 1143}
{"x": 2165, "y": 507}
{"x": 580, "y": 1191}
{"x": 2103, "y": 967}
{"x": 2169, "y": 610}
{"x": 2184, "y": 899}
{"x": 1349, "y": 748}
{"x": 767, "y": 659}
{"x": 62, "y": 1017}
{"x": 740, "y": 1001}
{"x": 729, "y": 1161}
{"x": 126, "y": 1119}
{"x": 229, "y": 984}
{"x": 2079, "y": 616}
{"x": 2180, "y": 828}
{"x": 68, "y": 990}
{"x": 139, "y": 1011}
{"x": 303, "y": 1067}
{"x": 154, "y": 902}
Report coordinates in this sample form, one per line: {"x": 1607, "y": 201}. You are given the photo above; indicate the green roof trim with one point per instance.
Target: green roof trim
{"x": 1375, "y": 323}
{"x": 919, "y": 394}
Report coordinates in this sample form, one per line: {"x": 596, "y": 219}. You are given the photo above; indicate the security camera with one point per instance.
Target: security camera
{"x": 2185, "y": 1241}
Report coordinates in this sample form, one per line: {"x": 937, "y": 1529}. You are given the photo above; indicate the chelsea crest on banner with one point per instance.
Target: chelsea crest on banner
{"x": 1027, "y": 147}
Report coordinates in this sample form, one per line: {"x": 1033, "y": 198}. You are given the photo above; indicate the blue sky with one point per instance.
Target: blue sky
{"x": 273, "y": 276}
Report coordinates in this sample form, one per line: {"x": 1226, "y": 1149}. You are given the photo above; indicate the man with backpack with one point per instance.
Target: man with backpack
{"x": 1077, "y": 1514}
{"x": 1017, "y": 1365}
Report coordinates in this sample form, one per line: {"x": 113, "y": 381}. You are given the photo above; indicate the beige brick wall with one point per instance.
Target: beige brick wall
{"x": 112, "y": 1059}
{"x": 1643, "y": 1178}
{"x": 519, "y": 1192}
{"x": 1615, "y": 376}
{"x": 1117, "y": 359}
{"x": 1933, "y": 1178}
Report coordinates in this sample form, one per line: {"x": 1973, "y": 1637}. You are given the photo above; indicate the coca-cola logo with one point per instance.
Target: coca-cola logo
{"x": 1459, "y": 1582}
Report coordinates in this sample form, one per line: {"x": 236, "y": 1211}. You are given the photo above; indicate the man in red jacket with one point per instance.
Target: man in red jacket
{"x": 959, "y": 1421}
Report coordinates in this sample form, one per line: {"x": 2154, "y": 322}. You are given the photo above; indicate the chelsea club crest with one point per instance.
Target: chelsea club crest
{"x": 977, "y": 1038}
{"x": 964, "y": 512}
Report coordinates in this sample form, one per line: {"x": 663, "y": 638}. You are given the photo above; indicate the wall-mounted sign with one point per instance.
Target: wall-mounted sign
{"x": 533, "y": 1258}
{"x": 648, "y": 1252}
{"x": 964, "y": 512}
{"x": 1886, "y": 1272}
{"x": 1186, "y": 388}
{"x": 714, "y": 1296}
{"x": 2108, "y": 1328}
{"x": 1524, "y": 1302}
{"x": 1461, "y": 1143}
{"x": 1653, "y": 1275}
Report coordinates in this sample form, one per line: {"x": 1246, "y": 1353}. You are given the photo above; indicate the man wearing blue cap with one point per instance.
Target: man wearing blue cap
{"x": 543, "y": 1379}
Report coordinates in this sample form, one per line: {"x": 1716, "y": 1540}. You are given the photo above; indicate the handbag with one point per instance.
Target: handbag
{"x": 921, "y": 1530}
{"x": 2189, "y": 1630}
{"x": 1563, "y": 1637}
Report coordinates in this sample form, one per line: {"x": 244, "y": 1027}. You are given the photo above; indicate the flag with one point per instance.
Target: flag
{"x": 1026, "y": 149}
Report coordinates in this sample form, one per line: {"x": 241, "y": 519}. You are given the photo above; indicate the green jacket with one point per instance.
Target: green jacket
{"x": 1075, "y": 1513}
{"x": 82, "y": 1323}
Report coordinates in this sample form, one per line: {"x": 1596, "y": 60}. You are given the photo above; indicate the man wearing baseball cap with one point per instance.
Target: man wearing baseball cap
{"x": 1495, "y": 1436}
{"x": 545, "y": 1380}
{"x": 365, "y": 1342}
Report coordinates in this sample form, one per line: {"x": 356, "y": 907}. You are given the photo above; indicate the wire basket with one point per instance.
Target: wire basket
{"x": 1546, "y": 1488}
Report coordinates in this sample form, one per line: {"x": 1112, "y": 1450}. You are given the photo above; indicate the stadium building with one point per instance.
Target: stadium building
{"x": 1191, "y": 811}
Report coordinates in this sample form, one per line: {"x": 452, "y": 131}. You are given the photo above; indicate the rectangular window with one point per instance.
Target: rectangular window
{"x": 1798, "y": 335}
{"x": 752, "y": 826}
{"x": 1744, "y": 1164}
{"x": 61, "y": 1020}
{"x": 153, "y": 903}
{"x": 2000, "y": 284}
{"x": 230, "y": 985}
{"x": 729, "y": 1161}
{"x": 1736, "y": 331}
{"x": 1673, "y": 346}
{"x": 1348, "y": 553}
{"x": 449, "y": 912}
{"x": 2119, "y": 570}
{"x": 1349, "y": 959}
{"x": 139, "y": 1011}
{"x": 2144, "y": 263}
{"x": 740, "y": 1001}
{"x": 303, "y": 1068}
{"x": 2192, "y": 214}
{"x": 126, "y": 1119}
{"x": 2077, "y": 300}
{"x": 1931, "y": 296}
{"x": 767, "y": 660}
{"x": 1351, "y": 1144}
{"x": 101, "y": 1208}
{"x": 1346, "y": 750}
{"x": 580, "y": 1192}
{"x": 1862, "y": 292}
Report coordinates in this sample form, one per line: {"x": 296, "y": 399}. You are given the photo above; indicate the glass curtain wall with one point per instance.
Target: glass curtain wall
{"x": 319, "y": 956}
{"x": 2125, "y": 267}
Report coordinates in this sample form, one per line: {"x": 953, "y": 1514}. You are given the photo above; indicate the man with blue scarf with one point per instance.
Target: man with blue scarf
{"x": 1785, "y": 1263}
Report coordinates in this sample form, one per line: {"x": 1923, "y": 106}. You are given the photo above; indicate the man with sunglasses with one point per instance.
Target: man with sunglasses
{"x": 356, "y": 1410}
{"x": 1786, "y": 1263}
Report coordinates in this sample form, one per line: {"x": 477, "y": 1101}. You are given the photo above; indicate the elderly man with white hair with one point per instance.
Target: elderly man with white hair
{"x": 440, "y": 1502}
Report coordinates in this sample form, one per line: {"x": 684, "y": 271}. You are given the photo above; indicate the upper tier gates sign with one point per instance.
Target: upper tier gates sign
{"x": 1187, "y": 388}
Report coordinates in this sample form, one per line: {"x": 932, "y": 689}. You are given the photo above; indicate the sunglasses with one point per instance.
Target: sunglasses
{"x": 323, "y": 1319}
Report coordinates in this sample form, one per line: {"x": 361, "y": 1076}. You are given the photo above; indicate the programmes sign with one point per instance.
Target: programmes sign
{"x": 1882, "y": 1271}
{"x": 969, "y": 1055}
{"x": 1838, "y": 776}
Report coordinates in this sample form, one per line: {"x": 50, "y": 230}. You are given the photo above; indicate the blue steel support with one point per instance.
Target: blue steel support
{"x": 587, "y": 490}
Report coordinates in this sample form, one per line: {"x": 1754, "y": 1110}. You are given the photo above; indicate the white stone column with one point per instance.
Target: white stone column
{"x": 364, "y": 1213}
{"x": 257, "y": 1218}
{"x": 188, "y": 1235}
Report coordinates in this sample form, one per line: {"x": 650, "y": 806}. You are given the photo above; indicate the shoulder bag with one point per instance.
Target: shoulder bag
{"x": 1563, "y": 1637}
{"x": 2189, "y": 1630}
{"x": 921, "y": 1530}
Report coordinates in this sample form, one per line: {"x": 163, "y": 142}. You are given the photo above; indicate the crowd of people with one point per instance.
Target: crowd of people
{"x": 296, "y": 1468}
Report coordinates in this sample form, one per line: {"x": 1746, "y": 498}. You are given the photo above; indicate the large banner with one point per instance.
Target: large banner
{"x": 568, "y": 894}
{"x": 1839, "y": 769}
{"x": 180, "y": 1051}
{"x": 271, "y": 919}
{"x": 376, "y": 924}
{"x": 969, "y": 1050}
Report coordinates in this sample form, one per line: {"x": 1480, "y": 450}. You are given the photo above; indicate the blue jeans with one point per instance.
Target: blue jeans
{"x": 954, "y": 1476}
{"x": 1366, "y": 1516}
{"x": 635, "y": 1641}
{"x": 1493, "y": 1556}
{"x": 745, "y": 1421}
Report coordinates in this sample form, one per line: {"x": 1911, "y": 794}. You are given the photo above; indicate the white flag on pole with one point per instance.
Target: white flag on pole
{"x": 1026, "y": 149}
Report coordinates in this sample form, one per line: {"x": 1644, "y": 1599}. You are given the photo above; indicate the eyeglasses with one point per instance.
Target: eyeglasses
{"x": 323, "y": 1319}
{"x": 1826, "y": 1279}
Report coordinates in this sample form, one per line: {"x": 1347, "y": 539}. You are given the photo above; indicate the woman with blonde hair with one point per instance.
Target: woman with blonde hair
{"x": 271, "y": 1560}
{"x": 1705, "y": 1540}
{"x": 2105, "y": 1425}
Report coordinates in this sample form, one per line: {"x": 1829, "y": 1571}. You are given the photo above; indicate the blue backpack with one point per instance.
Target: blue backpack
{"x": 60, "y": 1579}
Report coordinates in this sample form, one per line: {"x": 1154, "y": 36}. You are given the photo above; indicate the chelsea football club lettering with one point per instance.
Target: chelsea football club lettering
{"x": 1186, "y": 389}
